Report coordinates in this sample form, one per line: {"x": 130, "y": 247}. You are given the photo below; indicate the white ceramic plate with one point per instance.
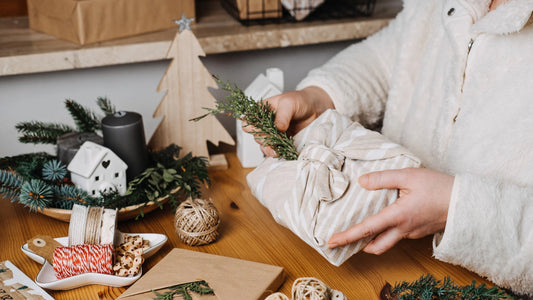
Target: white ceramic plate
{"x": 46, "y": 277}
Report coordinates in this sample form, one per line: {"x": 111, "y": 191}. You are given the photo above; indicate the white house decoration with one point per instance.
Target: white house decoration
{"x": 96, "y": 169}
{"x": 261, "y": 88}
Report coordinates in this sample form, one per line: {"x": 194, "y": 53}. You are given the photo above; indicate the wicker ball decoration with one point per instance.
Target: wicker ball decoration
{"x": 196, "y": 222}
{"x": 277, "y": 296}
{"x": 310, "y": 288}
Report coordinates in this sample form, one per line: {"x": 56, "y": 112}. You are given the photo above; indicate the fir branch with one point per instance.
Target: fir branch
{"x": 257, "y": 114}
{"x": 105, "y": 105}
{"x": 65, "y": 196}
{"x": 54, "y": 171}
{"x": 427, "y": 288}
{"x": 86, "y": 121}
{"x": 199, "y": 287}
{"x": 36, "y": 132}
{"x": 11, "y": 162}
{"x": 36, "y": 194}
{"x": 10, "y": 183}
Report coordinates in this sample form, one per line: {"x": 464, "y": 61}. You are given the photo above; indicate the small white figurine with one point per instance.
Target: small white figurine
{"x": 261, "y": 88}
{"x": 96, "y": 169}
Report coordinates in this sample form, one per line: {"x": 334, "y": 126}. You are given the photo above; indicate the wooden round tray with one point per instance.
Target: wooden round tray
{"x": 125, "y": 213}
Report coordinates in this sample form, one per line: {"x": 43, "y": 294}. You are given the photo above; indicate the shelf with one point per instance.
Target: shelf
{"x": 24, "y": 51}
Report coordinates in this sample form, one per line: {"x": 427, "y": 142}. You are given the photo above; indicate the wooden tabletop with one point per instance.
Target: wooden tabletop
{"x": 247, "y": 231}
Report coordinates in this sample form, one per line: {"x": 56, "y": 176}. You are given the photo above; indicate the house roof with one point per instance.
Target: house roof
{"x": 89, "y": 156}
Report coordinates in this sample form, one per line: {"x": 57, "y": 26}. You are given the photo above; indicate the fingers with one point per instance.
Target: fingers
{"x": 370, "y": 227}
{"x": 389, "y": 179}
{"x": 383, "y": 242}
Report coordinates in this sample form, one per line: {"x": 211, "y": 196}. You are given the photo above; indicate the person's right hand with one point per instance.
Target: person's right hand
{"x": 294, "y": 111}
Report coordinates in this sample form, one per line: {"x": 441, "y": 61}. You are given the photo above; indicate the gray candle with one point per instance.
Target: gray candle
{"x": 124, "y": 135}
{"x": 68, "y": 144}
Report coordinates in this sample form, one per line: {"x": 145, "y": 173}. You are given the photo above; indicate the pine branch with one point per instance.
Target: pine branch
{"x": 86, "y": 121}
{"x": 36, "y": 194}
{"x": 427, "y": 288}
{"x": 105, "y": 105}
{"x": 37, "y": 132}
{"x": 10, "y": 184}
{"x": 199, "y": 287}
{"x": 257, "y": 114}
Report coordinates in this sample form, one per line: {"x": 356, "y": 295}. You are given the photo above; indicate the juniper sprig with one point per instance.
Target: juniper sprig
{"x": 427, "y": 287}
{"x": 259, "y": 115}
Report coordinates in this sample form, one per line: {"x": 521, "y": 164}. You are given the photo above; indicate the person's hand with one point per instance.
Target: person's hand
{"x": 294, "y": 111}
{"x": 420, "y": 210}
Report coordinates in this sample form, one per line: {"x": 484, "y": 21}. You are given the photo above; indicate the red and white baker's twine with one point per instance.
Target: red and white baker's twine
{"x": 79, "y": 259}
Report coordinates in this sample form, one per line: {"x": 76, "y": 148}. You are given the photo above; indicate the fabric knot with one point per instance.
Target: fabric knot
{"x": 327, "y": 179}
{"x": 323, "y": 154}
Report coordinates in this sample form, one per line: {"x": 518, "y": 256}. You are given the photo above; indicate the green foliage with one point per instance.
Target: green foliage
{"x": 105, "y": 105}
{"x": 428, "y": 288}
{"x": 86, "y": 121}
{"x": 54, "y": 171}
{"x": 37, "y": 132}
{"x": 257, "y": 114}
{"x": 65, "y": 196}
{"x": 10, "y": 183}
{"x": 199, "y": 287}
{"x": 169, "y": 173}
{"x": 36, "y": 194}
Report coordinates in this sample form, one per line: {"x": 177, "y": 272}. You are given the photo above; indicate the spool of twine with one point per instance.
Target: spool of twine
{"x": 196, "y": 222}
{"x": 310, "y": 288}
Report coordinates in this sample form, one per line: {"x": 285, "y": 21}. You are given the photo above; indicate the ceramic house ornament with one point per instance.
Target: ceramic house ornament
{"x": 96, "y": 169}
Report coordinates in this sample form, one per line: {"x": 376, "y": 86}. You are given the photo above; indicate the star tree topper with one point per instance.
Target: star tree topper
{"x": 184, "y": 23}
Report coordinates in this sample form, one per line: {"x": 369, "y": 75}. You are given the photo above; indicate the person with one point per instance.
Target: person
{"x": 451, "y": 81}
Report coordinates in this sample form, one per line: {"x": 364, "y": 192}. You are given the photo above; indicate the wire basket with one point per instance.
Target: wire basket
{"x": 254, "y": 12}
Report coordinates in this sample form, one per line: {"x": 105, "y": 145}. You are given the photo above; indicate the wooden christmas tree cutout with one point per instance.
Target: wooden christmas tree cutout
{"x": 186, "y": 82}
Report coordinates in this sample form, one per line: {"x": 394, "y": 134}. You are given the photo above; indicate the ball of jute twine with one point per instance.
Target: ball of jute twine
{"x": 196, "y": 222}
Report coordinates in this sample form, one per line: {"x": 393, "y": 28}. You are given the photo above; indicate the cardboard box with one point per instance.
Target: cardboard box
{"x": 255, "y": 9}
{"x": 90, "y": 21}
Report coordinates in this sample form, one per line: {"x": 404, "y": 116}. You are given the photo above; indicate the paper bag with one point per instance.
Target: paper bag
{"x": 230, "y": 278}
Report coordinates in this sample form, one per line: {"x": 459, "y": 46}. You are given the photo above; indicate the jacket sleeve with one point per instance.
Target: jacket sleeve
{"x": 489, "y": 230}
{"x": 357, "y": 78}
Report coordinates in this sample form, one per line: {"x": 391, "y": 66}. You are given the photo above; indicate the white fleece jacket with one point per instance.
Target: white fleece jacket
{"x": 454, "y": 84}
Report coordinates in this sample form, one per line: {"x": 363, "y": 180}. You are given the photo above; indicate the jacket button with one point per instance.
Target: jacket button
{"x": 451, "y": 12}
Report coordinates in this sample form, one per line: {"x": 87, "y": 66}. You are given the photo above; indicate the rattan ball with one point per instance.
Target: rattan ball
{"x": 277, "y": 296}
{"x": 196, "y": 222}
{"x": 309, "y": 288}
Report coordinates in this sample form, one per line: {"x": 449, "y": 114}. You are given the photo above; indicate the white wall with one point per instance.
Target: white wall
{"x": 132, "y": 87}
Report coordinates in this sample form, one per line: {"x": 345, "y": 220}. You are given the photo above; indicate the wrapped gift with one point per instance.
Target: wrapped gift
{"x": 318, "y": 194}
{"x": 90, "y": 21}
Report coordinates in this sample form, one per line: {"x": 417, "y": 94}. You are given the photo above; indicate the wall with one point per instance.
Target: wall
{"x": 132, "y": 87}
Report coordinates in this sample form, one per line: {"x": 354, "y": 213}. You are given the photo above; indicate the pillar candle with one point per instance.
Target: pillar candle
{"x": 124, "y": 135}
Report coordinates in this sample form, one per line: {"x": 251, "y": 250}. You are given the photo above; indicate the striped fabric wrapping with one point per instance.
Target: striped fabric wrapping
{"x": 318, "y": 194}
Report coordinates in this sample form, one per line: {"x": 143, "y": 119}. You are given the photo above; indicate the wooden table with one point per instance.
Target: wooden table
{"x": 248, "y": 232}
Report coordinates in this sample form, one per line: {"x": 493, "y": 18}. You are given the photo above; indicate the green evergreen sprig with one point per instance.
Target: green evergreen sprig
{"x": 86, "y": 121}
{"x": 257, "y": 114}
{"x": 36, "y": 194}
{"x": 199, "y": 287}
{"x": 54, "y": 171}
{"x": 10, "y": 183}
{"x": 427, "y": 287}
{"x": 36, "y": 132}
{"x": 105, "y": 105}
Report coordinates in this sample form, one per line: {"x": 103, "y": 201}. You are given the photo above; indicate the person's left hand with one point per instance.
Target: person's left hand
{"x": 420, "y": 210}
